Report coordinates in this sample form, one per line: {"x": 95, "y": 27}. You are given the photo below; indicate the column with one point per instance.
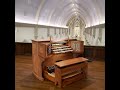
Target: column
{"x": 54, "y": 31}
{"x": 36, "y": 32}
{"x": 48, "y": 32}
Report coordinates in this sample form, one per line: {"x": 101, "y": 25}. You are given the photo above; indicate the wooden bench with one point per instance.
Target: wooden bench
{"x": 70, "y": 70}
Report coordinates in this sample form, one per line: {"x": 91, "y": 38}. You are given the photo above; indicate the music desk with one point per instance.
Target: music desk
{"x": 70, "y": 70}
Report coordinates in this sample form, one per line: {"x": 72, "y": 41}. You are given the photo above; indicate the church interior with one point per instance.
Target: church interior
{"x": 59, "y": 44}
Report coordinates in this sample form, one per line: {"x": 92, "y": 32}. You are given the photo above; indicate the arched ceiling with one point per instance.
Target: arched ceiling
{"x": 58, "y": 12}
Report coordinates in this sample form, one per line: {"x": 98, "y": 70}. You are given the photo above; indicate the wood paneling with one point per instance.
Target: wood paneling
{"x": 70, "y": 62}
{"x": 19, "y": 48}
{"x": 89, "y": 51}
{"x": 23, "y": 48}
{"x": 27, "y": 49}
{"x": 37, "y": 61}
{"x": 97, "y": 52}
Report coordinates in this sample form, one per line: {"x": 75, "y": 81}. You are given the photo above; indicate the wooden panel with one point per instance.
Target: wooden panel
{"x": 27, "y": 49}
{"x": 97, "y": 52}
{"x": 73, "y": 68}
{"x": 34, "y": 57}
{"x": 37, "y": 61}
{"x": 88, "y": 52}
{"x": 19, "y": 49}
{"x": 78, "y": 46}
{"x": 70, "y": 62}
{"x": 23, "y": 49}
{"x": 73, "y": 79}
{"x": 100, "y": 52}
{"x": 56, "y": 57}
{"x": 42, "y": 50}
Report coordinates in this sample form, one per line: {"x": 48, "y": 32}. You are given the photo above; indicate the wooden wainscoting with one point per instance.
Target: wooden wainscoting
{"x": 97, "y": 52}
{"x": 23, "y": 48}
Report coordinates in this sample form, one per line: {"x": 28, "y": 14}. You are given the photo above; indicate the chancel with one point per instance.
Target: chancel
{"x": 55, "y": 40}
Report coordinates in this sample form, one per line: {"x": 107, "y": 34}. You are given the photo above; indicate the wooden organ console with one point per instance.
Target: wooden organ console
{"x": 47, "y": 56}
{"x": 78, "y": 47}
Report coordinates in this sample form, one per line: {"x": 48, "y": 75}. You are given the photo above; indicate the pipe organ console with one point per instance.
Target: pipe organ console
{"x": 46, "y": 55}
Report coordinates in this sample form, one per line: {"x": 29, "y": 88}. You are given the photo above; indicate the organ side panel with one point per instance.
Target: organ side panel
{"x": 34, "y": 58}
{"x": 42, "y": 50}
{"x": 37, "y": 61}
{"x": 77, "y": 46}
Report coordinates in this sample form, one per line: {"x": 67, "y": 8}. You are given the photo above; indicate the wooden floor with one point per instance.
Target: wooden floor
{"x": 25, "y": 80}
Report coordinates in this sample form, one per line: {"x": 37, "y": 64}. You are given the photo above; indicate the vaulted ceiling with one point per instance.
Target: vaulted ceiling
{"x": 59, "y": 12}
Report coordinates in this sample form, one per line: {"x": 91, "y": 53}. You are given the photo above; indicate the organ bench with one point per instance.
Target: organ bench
{"x": 70, "y": 70}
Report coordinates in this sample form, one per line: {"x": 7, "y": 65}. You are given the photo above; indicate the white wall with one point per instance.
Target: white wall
{"x": 24, "y": 34}
{"x": 42, "y": 33}
{"x": 51, "y": 32}
{"x": 95, "y": 36}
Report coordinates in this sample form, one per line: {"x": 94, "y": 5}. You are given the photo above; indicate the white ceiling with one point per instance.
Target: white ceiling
{"x": 58, "y": 12}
